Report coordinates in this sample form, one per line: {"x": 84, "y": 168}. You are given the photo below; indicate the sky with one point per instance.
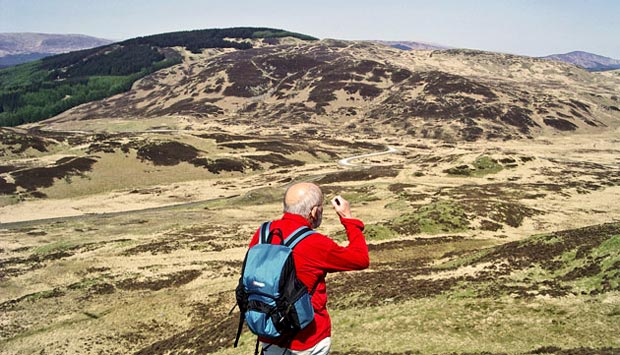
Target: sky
{"x": 525, "y": 27}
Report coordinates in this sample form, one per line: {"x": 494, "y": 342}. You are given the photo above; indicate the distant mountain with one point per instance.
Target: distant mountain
{"x": 589, "y": 61}
{"x": 408, "y": 45}
{"x": 17, "y": 48}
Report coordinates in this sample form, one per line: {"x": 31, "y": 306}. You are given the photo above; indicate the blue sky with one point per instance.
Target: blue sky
{"x": 525, "y": 27}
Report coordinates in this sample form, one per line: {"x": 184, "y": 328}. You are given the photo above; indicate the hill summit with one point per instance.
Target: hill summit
{"x": 589, "y": 61}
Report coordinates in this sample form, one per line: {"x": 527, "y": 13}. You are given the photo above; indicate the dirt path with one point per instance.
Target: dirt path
{"x": 347, "y": 161}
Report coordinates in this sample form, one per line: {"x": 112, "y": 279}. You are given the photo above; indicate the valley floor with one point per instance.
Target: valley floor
{"x": 476, "y": 248}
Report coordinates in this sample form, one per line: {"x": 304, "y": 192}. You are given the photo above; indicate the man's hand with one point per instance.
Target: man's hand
{"x": 342, "y": 207}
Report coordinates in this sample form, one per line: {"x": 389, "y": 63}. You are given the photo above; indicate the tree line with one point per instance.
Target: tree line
{"x": 39, "y": 100}
{"x": 197, "y": 40}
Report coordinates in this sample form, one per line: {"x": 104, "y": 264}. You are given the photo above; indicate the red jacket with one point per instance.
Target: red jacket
{"x": 315, "y": 256}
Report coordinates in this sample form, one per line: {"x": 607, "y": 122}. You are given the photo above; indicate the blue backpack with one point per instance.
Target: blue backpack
{"x": 274, "y": 303}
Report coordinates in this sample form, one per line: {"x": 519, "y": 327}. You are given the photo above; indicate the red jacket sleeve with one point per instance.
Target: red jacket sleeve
{"x": 351, "y": 257}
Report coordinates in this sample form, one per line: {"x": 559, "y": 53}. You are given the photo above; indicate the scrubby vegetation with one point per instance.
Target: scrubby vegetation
{"x": 582, "y": 261}
{"x": 149, "y": 220}
{"x": 453, "y": 270}
{"x": 438, "y": 217}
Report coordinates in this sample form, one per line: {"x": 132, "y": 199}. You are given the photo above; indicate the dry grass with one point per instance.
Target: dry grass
{"x": 160, "y": 278}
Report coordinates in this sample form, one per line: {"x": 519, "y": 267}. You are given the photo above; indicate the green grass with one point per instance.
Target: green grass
{"x": 358, "y": 197}
{"x": 483, "y": 165}
{"x": 398, "y": 205}
{"x": 257, "y": 197}
{"x": 604, "y": 261}
{"x": 55, "y": 247}
{"x": 607, "y": 257}
{"x": 441, "y": 216}
{"x": 609, "y": 247}
{"x": 41, "y": 295}
{"x": 570, "y": 263}
{"x": 452, "y": 324}
{"x": 464, "y": 260}
{"x": 86, "y": 283}
{"x": 374, "y": 232}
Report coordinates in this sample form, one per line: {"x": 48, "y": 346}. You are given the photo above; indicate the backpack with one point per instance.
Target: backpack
{"x": 273, "y": 301}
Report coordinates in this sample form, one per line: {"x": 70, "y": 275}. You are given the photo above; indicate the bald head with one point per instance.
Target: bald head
{"x": 300, "y": 198}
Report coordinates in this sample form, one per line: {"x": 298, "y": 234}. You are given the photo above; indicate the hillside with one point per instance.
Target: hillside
{"x": 17, "y": 48}
{"x": 453, "y": 95}
{"x": 41, "y": 89}
{"x": 589, "y": 61}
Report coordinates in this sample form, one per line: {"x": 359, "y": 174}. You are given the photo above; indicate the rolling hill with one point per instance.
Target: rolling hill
{"x": 589, "y": 61}
{"x": 238, "y": 73}
{"x": 453, "y": 95}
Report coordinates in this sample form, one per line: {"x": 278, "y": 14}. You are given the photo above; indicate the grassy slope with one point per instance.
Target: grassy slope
{"x": 513, "y": 310}
{"x": 106, "y": 272}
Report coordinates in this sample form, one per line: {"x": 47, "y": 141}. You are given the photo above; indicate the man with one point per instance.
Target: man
{"x": 314, "y": 257}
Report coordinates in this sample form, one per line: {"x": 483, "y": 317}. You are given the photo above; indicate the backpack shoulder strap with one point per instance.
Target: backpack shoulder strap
{"x": 297, "y": 236}
{"x": 316, "y": 284}
{"x": 263, "y": 235}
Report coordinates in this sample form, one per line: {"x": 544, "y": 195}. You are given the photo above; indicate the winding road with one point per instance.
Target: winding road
{"x": 347, "y": 161}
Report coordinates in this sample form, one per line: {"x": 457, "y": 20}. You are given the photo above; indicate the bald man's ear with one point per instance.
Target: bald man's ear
{"x": 314, "y": 212}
